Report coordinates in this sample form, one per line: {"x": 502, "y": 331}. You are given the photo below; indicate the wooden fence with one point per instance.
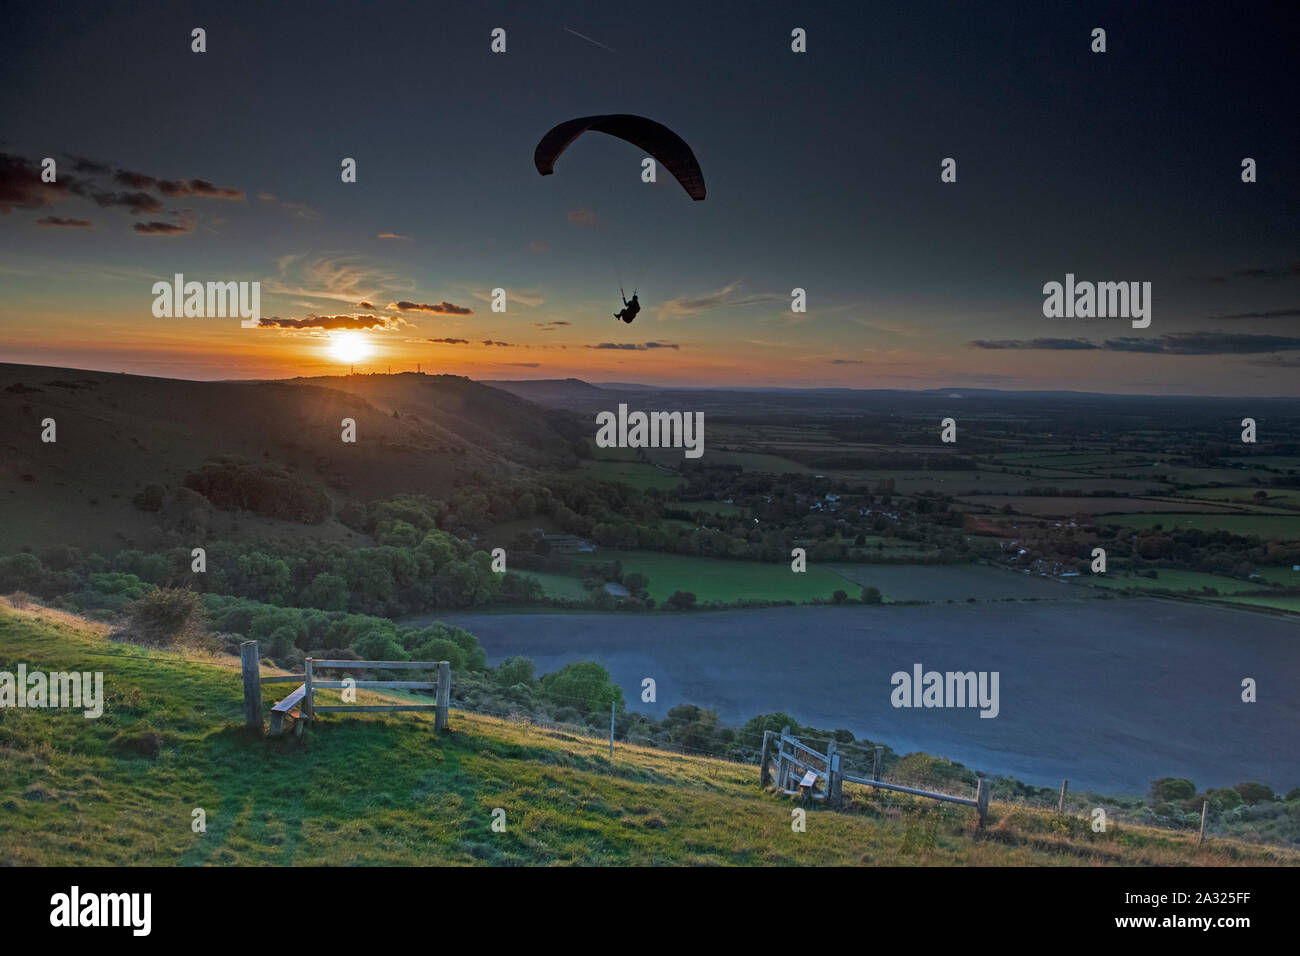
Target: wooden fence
{"x": 301, "y": 704}
{"x": 801, "y": 770}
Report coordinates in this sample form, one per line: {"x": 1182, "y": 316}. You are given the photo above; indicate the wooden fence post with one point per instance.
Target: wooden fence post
{"x": 1060, "y": 806}
{"x": 833, "y": 782}
{"x": 982, "y": 802}
{"x": 444, "y": 697}
{"x": 764, "y": 774}
{"x": 782, "y": 762}
{"x": 1205, "y": 805}
{"x": 309, "y": 703}
{"x": 250, "y": 664}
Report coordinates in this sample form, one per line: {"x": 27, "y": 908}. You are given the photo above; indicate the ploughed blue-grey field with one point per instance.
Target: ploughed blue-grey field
{"x": 1110, "y": 695}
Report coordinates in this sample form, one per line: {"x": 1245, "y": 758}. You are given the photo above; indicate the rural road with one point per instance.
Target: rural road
{"x": 1110, "y": 694}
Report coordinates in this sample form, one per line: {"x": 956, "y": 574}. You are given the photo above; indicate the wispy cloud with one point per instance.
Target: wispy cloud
{"x": 1290, "y": 271}
{"x": 156, "y": 228}
{"x": 332, "y": 322}
{"x": 1290, "y": 313}
{"x": 348, "y": 278}
{"x": 729, "y": 296}
{"x": 1182, "y": 343}
{"x": 634, "y": 347}
{"x": 438, "y": 308}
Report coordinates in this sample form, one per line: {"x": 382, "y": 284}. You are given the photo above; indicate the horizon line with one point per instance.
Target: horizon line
{"x": 613, "y": 386}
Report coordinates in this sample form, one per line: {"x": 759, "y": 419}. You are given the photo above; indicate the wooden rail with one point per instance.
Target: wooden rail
{"x": 301, "y": 702}
{"x": 787, "y": 749}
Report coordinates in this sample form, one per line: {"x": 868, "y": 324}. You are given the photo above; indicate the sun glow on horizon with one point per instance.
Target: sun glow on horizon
{"x": 349, "y": 347}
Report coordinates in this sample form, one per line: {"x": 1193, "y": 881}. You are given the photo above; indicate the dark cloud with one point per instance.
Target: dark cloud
{"x": 1211, "y": 343}
{"x": 82, "y": 165}
{"x": 450, "y": 341}
{"x": 176, "y": 187}
{"x": 1261, "y": 272}
{"x": 57, "y": 221}
{"x": 198, "y": 187}
{"x": 21, "y": 186}
{"x": 156, "y": 228}
{"x": 370, "y": 306}
{"x": 1182, "y": 343}
{"x": 633, "y": 347}
{"x": 550, "y": 326}
{"x": 846, "y": 361}
{"x": 508, "y": 345}
{"x": 1271, "y": 314}
{"x": 329, "y": 322}
{"x": 137, "y": 202}
{"x": 525, "y": 364}
{"x": 1032, "y": 344}
{"x": 135, "y": 180}
{"x": 441, "y": 308}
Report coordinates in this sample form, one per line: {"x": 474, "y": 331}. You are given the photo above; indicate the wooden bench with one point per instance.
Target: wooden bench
{"x": 290, "y": 706}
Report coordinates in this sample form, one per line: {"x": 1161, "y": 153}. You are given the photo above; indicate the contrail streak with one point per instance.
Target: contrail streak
{"x": 590, "y": 40}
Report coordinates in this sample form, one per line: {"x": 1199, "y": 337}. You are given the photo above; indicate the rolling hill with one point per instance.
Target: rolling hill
{"x": 117, "y": 434}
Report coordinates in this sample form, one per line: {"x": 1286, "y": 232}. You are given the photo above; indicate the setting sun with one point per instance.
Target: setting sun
{"x": 349, "y": 347}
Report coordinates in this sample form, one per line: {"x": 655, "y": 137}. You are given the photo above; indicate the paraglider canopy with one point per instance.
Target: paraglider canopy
{"x": 667, "y": 148}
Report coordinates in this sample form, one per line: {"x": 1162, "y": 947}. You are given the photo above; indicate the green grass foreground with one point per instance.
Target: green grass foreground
{"x": 383, "y": 789}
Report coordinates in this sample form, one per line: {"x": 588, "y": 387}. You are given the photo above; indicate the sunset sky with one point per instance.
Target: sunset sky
{"x": 822, "y": 170}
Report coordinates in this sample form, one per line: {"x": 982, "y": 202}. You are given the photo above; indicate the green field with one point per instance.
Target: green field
{"x": 1266, "y": 527}
{"x": 1240, "y": 493}
{"x": 1171, "y": 580}
{"x": 716, "y": 579}
{"x": 636, "y": 474}
{"x": 1286, "y": 462}
{"x": 561, "y": 586}
{"x": 712, "y": 507}
{"x": 756, "y": 461}
{"x": 383, "y": 789}
{"x": 1280, "y": 574}
{"x": 1068, "y": 505}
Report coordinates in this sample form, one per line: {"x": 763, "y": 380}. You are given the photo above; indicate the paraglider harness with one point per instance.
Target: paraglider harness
{"x": 630, "y": 309}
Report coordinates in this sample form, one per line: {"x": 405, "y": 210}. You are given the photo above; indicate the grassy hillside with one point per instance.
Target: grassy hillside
{"x": 383, "y": 789}
{"x": 116, "y": 434}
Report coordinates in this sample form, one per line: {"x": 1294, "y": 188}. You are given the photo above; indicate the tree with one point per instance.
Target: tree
{"x": 584, "y": 685}
{"x": 1254, "y": 792}
{"x": 681, "y": 601}
{"x": 871, "y": 595}
{"x": 329, "y": 592}
{"x": 515, "y": 670}
{"x": 1169, "y": 789}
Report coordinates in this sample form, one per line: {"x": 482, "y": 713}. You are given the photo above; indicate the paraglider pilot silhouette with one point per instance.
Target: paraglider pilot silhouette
{"x": 667, "y": 148}
{"x": 630, "y": 309}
